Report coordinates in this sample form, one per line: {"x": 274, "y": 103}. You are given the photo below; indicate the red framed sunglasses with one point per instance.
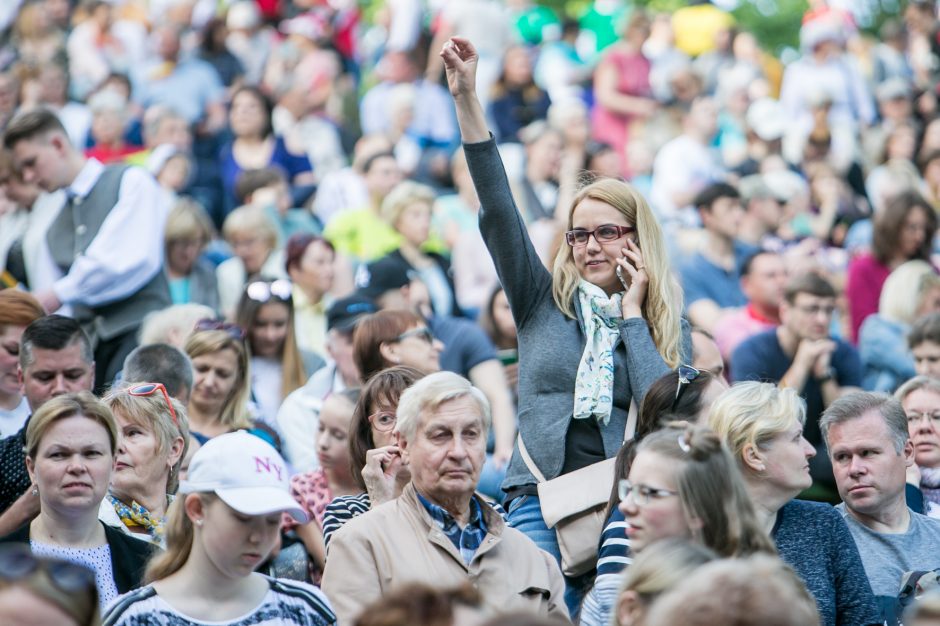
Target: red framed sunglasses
{"x": 148, "y": 389}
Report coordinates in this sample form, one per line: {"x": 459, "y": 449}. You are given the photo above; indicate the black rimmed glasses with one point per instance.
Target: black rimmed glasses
{"x": 148, "y": 389}
{"x": 262, "y": 290}
{"x": 642, "y": 494}
{"x": 421, "y": 333}
{"x": 687, "y": 374}
{"x": 605, "y": 233}
{"x": 234, "y": 330}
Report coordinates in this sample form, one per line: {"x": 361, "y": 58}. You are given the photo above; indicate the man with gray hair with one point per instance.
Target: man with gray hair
{"x": 161, "y": 363}
{"x": 439, "y": 531}
{"x": 867, "y": 438}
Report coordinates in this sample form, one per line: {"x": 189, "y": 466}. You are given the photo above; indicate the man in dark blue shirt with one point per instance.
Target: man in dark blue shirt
{"x": 800, "y": 353}
{"x": 711, "y": 277}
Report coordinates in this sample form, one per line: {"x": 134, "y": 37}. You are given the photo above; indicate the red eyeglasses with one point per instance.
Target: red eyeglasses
{"x": 148, "y": 389}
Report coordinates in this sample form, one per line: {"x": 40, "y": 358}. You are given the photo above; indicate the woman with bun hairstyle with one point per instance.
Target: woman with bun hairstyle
{"x": 594, "y": 332}
{"x": 225, "y": 522}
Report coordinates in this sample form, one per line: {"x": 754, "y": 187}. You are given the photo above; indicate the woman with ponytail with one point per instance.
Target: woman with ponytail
{"x": 225, "y": 522}
{"x": 594, "y": 333}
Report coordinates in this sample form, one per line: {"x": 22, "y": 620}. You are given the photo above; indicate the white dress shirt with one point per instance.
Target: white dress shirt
{"x": 127, "y": 251}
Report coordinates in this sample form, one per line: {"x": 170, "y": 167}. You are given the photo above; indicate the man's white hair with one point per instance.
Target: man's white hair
{"x": 431, "y": 392}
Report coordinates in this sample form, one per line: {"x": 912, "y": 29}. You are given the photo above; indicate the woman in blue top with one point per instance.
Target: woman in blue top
{"x": 762, "y": 425}
{"x": 589, "y": 342}
{"x": 255, "y": 146}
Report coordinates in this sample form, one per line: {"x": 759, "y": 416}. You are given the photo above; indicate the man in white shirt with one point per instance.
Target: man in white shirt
{"x": 106, "y": 240}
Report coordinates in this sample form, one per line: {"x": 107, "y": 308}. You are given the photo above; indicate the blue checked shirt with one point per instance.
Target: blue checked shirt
{"x": 466, "y": 539}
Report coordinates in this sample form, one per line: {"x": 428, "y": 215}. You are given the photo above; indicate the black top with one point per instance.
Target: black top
{"x": 14, "y": 479}
{"x": 129, "y": 556}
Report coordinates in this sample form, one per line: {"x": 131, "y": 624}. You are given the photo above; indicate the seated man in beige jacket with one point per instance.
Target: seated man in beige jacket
{"x": 438, "y": 531}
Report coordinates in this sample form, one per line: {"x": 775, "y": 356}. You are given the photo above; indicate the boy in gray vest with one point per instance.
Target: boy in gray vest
{"x": 105, "y": 247}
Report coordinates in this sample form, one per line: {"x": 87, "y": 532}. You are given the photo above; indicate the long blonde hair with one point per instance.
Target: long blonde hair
{"x": 179, "y": 540}
{"x": 234, "y": 413}
{"x": 663, "y": 306}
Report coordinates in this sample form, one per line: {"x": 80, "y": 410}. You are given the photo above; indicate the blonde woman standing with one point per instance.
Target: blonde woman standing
{"x": 594, "y": 333}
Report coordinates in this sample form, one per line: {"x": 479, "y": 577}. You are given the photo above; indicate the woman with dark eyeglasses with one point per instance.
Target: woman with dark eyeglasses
{"x": 762, "y": 426}
{"x": 390, "y": 338}
{"x": 37, "y": 590}
{"x": 278, "y": 366}
{"x": 594, "y": 332}
{"x": 154, "y": 439}
{"x": 375, "y": 461}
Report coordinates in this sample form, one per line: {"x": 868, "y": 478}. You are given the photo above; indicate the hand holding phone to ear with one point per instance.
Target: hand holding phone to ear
{"x": 631, "y": 264}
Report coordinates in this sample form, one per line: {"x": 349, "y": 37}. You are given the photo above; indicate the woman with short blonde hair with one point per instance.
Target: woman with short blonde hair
{"x": 253, "y": 236}
{"x": 154, "y": 440}
{"x": 762, "y": 425}
{"x": 71, "y": 441}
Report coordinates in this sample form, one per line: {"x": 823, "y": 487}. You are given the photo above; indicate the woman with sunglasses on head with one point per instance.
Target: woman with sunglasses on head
{"x": 685, "y": 394}
{"x": 71, "y": 442}
{"x": 374, "y": 458}
{"x": 594, "y": 333}
{"x": 762, "y": 425}
{"x": 278, "y": 366}
{"x": 224, "y": 524}
{"x": 389, "y": 338}
{"x": 154, "y": 440}
{"x": 37, "y": 591}
{"x": 316, "y": 489}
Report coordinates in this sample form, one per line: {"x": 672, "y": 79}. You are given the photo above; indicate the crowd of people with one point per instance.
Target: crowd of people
{"x": 467, "y": 312}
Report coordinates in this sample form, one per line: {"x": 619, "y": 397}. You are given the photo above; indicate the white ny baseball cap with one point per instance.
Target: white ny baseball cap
{"x": 246, "y": 473}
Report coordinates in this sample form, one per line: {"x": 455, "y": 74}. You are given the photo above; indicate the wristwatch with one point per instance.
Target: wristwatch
{"x": 828, "y": 375}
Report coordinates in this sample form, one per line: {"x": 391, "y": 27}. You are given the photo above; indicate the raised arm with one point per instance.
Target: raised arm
{"x": 519, "y": 267}
{"x": 460, "y": 63}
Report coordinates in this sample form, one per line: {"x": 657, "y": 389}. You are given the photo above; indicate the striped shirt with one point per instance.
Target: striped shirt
{"x": 287, "y": 603}
{"x": 612, "y": 558}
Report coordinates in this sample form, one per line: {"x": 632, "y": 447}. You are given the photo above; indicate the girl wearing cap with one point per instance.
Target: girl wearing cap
{"x": 278, "y": 366}
{"x": 224, "y": 524}
{"x": 594, "y": 332}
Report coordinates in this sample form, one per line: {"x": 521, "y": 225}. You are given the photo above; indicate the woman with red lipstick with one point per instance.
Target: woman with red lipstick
{"x": 594, "y": 332}
{"x": 224, "y": 524}
{"x": 762, "y": 425}
{"x": 70, "y": 446}
{"x": 154, "y": 439}
{"x": 314, "y": 490}
{"x": 920, "y": 397}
